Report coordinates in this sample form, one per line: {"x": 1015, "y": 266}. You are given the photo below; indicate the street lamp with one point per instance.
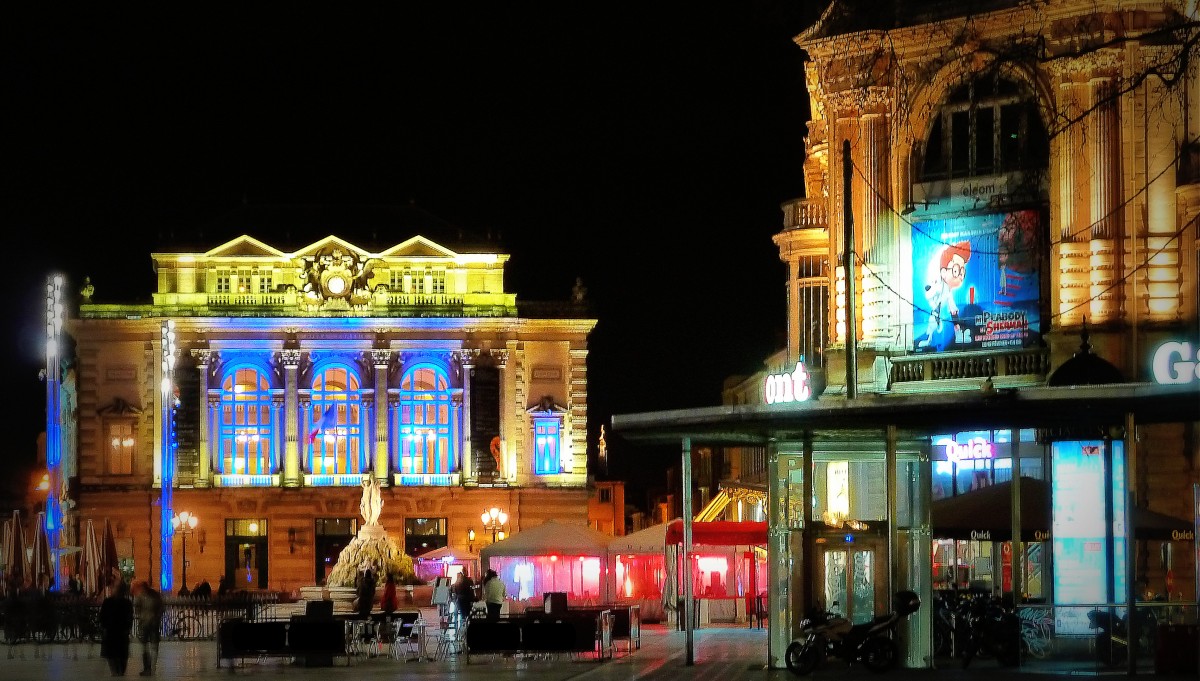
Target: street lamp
{"x": 494, "y": 520}
{"x": 184, "y": 523}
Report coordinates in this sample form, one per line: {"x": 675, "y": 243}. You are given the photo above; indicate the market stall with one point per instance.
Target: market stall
{"x": 552, "y": 557}
{"x": 447, "y": 562}
{"x": 638, "y": 570}
{"x": 728, "y": 567}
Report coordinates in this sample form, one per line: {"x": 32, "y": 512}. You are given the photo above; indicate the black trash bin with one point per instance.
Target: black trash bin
{"x": 1175, "y": 650}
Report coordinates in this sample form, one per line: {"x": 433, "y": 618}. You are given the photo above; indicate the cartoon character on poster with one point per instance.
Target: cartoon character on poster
{"x": 975, "y": 282}
{"x": 946, "y": 271}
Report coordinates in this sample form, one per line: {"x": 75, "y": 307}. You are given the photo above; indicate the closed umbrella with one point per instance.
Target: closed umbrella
{"x": 5, "y": 540}
{"x": 16, "y": 569}
{"x": 108, "y": 554}
{"x": 89, "y": 561}
{"x": 41, "y": 565}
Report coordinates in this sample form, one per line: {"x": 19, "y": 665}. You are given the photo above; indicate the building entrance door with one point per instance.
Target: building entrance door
{"x": 850, "y": 576}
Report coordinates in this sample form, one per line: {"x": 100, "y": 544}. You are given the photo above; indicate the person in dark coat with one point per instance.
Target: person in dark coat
{"x": 366, "y": 593}
{"x": 464, "y": 594}
{"x": 116, "y": 622}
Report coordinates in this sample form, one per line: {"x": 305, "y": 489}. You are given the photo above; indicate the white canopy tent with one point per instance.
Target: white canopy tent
{"x": 641, "y": 571}
{"x": 553, "y": 556}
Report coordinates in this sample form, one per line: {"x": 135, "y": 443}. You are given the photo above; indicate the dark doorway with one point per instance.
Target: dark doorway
{"x": 333, "y": 535}
{"x": 246, "y": 553}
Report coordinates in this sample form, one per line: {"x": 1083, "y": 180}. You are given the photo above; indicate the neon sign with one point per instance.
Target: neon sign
{"x": 793, "y": 387}
{"x": 1171, "y": 371}
{"x": 975, "y": 448}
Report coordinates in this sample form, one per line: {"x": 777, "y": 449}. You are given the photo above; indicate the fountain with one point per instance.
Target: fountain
{"x": 371, "y": 549}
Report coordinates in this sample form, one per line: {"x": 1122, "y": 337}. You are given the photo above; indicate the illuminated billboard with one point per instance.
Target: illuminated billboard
{"x": 1083, "y": 576}
{"x": 976, "y": 282}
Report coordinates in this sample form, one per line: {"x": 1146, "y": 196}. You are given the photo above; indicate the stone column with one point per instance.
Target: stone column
{"x": 1105, "y": 194}
{"x": 382, "y": 360}
{"x": 291, "y": 446}
{"x": 203, "y": 357}
{"x": 501, "y": 359}
{"x": 1068, "y": 275}
{"x": 213, "y": 450}
{"x": 466, "y": 360}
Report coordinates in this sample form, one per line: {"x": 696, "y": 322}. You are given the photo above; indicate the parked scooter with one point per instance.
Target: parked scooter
{"x": 1112, "y": 635}
{"x": 826, "y": 633}
{"x": 993, "y": 631}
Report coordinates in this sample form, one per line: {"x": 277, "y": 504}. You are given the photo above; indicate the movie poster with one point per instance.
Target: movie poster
{"x": 976, "y": 282}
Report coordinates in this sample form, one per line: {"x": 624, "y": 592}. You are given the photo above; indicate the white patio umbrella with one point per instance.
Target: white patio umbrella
{"x": 89, "y": 561}
{"x": 16, "y": 566}
{"x": 41, "y": 564}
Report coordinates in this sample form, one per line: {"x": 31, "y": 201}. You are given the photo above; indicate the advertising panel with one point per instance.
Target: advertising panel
{"x": 1081, "y": 552}
{"x": 976, "y": 282}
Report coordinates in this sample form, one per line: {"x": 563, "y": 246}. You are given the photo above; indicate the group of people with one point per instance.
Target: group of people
{"x": 494, "y": 594}
{"x": 389, "y": 602}
{"x": 117, "y": 613}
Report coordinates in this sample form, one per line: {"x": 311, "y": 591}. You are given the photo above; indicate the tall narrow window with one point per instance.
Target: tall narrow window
{"x": 336, "y": 421}
{"x": 546, "y": 460}
{"x": 245, "y": 437}
{"x": 120, "y": 448}
{"x": 439, "y": 282}
{"x": 265, "y": 283}
{"x": 425, "y": 446}
{"x": 223, "y": 282}
{"x": 396, "y": 281}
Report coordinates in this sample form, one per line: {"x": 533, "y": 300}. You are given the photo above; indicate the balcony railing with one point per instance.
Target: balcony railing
{"x": 805, "y": 213}
{"x": 1029, "y": 365}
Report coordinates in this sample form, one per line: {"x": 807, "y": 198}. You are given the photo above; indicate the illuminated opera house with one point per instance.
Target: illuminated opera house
{"x": 260, "y": 385}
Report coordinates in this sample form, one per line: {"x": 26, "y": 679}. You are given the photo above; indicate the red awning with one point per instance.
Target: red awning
{"x": 720, "y": 532}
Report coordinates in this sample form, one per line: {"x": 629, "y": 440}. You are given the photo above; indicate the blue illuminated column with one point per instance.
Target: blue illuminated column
{"x": 54, "y": 514}
{"x": 167, "y": 487}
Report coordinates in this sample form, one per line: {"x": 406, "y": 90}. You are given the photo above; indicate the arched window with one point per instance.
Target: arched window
{"x": 336, "y": 428}
{"x": 986, "y": 126}
{"x": 245, "y": 437}
{"x": 425, "y": 446}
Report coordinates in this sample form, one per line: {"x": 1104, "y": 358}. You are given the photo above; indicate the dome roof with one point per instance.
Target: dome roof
{"x": 1085, "y": 368}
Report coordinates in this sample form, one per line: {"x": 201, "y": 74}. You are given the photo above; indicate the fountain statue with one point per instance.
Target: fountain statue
{"x": 372, "y": 549}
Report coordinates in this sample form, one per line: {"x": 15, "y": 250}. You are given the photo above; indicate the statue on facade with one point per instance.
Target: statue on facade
{"x": 372, "y": 501}
{"x": 87, "y": 290}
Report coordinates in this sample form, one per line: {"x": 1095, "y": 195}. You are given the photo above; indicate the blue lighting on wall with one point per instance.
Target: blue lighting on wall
{"x": 335, "y": 480}
{"x": 170, "y": 402}
{"x": 55, "y": 312}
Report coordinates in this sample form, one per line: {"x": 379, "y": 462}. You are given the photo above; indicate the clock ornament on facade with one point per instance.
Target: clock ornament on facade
{"x": 336, "y": 279}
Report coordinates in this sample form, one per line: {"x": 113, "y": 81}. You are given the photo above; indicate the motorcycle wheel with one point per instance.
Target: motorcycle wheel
{"x": 1108, "y": 652}
{"x": 941, "y": 641}
{"x": 880, "y": 654}
{"x": 801, "y": 659}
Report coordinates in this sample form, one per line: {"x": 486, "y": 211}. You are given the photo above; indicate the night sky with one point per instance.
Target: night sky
{"x": 652, "y": 141}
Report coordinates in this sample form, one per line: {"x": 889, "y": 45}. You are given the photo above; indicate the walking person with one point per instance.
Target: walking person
{"x": 148, "y": 606}
{"x": 493, "y": 594}
{"x": 116, "y": 620}
{"x": 366, "y": 593}
{"x": 389, "y": 602}
{"x": 464, "y": 596}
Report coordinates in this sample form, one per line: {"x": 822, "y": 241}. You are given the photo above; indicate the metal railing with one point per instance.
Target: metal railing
{"x": 59, "y": 618}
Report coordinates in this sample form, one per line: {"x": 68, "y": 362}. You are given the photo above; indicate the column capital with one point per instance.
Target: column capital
{"x": 290, "y": 357}
{"x": 204, "y": 356}
{"x": 381, "y": 358}
{"x": 466, "y": 357}
{"x": 501, "y": 357}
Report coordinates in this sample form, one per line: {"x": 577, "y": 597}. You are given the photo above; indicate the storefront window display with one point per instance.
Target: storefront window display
{"x": 968, "y": 462}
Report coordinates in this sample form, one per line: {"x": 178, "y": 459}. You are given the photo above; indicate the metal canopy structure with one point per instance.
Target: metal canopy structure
{"x": 1035, "y": 407}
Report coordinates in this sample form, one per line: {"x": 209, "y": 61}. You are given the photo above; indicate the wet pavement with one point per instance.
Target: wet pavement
{"x": 721, "y": 654}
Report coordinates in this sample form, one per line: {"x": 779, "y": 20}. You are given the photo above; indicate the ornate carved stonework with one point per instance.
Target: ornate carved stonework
{"x": 381, "y": 357}
{"x": 1100, "y": 63}
{"x": 289, "y": 358}
{"x": 336, "y": 279}
{"x": 467, "y": 357}
{"x": 500, "y": 357}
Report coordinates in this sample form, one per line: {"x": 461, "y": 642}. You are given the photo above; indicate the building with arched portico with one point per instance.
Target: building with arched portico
{"x": 989, "y": 191}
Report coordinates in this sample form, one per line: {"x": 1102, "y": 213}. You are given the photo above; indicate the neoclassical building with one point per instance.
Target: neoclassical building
{"x": 992, "y": 276}
{"x": 259, "y": 385}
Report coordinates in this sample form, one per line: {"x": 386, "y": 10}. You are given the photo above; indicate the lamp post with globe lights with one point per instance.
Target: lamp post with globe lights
{"x": 184, "y": 523}
{"x": 494, "y": 521}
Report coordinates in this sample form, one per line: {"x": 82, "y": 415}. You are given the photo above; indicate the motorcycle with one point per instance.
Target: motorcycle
{"x": 993, "y": 631}
{"x": 1112, "y": 635}
{"x": 824, "y": 633}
